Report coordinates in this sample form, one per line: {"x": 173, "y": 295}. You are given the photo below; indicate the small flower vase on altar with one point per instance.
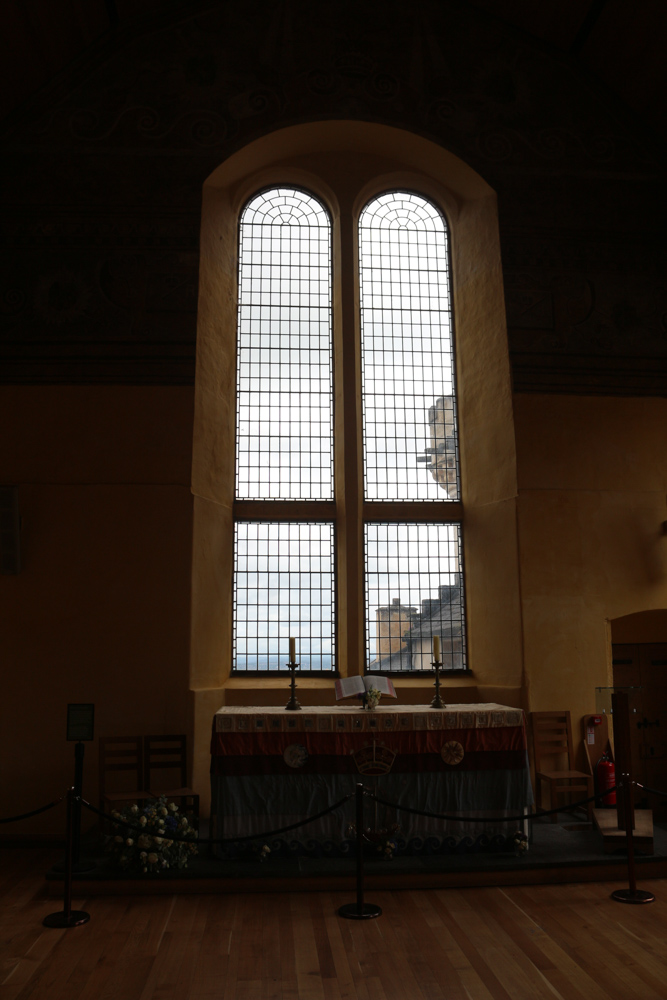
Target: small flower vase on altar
{"x": 370, "y": 699}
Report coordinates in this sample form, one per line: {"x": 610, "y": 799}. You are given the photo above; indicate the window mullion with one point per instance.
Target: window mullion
{"x": 349, "y": 482}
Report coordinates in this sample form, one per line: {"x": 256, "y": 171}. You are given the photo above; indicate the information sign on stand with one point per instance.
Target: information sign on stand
{"x": 80, "y": 730}
{"x": 80, "y": 722}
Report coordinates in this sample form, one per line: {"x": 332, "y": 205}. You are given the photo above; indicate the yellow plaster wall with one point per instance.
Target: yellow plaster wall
{"x": 592, "y": 500}
{"x": 100, "y": 610}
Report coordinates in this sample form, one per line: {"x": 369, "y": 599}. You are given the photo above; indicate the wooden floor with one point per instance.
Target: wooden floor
{"x": 516, "y": 943}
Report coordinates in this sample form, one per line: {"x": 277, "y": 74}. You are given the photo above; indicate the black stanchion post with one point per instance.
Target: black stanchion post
{"x": 79, "y": 749}
{"x": 619, "y": 702}
{"x": 68, "y": 917}
{"x": 77, "y": 864}
{"x": 360, "y": 910}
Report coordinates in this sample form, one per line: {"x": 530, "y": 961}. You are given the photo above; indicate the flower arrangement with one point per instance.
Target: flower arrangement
{"x": 520, "y": 841}
{"x": 383, "y": 842}
{"x": 371, "y": 699}
{"x": 386, "y": 843}
{"x": 153, "y": 851}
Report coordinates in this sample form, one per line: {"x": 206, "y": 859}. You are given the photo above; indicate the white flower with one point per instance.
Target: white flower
{"x": 143, "y": 821}
{"x": 158, "y": 840}
{"x": 184, "y": 821}
{"x": 134, "y": 809}
{"x": 162, "y": 811}
{"x": 142, "y": 856}
{"x": 173, "y": 807}
{"x": 129, "y": 842}
{"x": 152, "y": 858}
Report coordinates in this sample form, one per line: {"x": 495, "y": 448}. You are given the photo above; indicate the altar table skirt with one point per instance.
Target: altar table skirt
{"x": 258, "y": 804}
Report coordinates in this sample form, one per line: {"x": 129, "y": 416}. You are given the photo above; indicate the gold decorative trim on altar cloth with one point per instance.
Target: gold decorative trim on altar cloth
{"x": 374, "y": 758}
{"x": 452, "y": 752}
{"x": 342, "y": 719}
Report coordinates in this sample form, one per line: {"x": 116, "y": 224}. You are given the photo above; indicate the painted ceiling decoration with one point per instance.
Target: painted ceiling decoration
{"x": 104, "y": 161}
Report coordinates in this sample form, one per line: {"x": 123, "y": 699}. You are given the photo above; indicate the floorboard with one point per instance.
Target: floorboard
{"x": 512, "y": 942}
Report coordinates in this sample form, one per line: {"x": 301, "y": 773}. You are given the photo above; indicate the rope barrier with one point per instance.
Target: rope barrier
{"x": 487, "y": 819}
{"x": 158, "y": 832}
{"x": 653, "y": 791}
{"x": 33, "y": 812}
{"x": 166, "y": 835}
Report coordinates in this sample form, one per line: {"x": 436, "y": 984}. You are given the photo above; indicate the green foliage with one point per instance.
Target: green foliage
{"x": 134, "y": 850}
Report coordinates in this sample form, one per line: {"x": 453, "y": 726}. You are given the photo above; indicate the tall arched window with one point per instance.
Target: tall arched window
{"x": 283, "y": 559}
{"x": 413, "y": 579}
{"x": 284, "y": 581}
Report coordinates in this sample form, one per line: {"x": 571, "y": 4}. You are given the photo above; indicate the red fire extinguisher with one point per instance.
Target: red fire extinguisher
{"x": 605, "y": 774}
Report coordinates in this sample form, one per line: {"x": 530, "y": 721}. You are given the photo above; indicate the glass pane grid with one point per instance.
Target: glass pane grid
{"x": 414, "y": 591}
{"x": 284, "y": 445}
{"x": 283, "y": 587}
{"x": 409, "y": 412}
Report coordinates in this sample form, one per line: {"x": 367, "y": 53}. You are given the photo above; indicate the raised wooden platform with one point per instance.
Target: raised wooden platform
{"x": 614, "y": 870}
{"x": 606, "y": 821}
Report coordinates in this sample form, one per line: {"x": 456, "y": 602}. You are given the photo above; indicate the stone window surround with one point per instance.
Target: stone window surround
{"x": 344, "y": 164}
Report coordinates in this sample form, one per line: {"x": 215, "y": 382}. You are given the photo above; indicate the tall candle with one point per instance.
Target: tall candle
{"x": 292, "y": 650}
{"x": 436, "y": 647}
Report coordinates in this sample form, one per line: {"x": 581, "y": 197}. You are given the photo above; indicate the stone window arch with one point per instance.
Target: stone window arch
{"x": 344, "y": 165}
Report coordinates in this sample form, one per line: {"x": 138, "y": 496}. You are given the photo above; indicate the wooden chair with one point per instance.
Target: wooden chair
{"x": 121, "y": 753}
{"x": 169, "y": 753}
{"x": 552, "y": 755}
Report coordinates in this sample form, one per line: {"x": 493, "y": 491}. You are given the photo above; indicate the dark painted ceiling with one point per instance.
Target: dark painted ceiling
{"x": 113, "y": 112}
{"x": 622, "y": 43}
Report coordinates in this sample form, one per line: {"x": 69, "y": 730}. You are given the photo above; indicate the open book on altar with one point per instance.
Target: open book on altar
{"x": 349, "y": 686}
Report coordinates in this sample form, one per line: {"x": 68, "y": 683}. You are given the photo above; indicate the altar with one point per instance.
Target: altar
{"x": 271, "y": 768}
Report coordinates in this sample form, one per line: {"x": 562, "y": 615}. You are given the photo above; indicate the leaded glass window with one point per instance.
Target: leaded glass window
{"x": 284, "y": 438}
{"x": 413, "y": 579}
{"x": 284, "y": 559}
{"x": 283, "y": 587}
{"x": 407, "y": 357}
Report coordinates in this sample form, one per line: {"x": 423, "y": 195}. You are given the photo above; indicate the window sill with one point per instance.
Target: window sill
{"x": 275, "y": 690}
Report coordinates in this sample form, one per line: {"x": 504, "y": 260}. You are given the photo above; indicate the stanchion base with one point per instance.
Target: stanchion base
{"x": 628, "y": 896}
{"x": 351, "y": 911}
{"x": 62, "y": 919}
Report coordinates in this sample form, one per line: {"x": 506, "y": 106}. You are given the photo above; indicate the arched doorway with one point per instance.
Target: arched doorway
{"x": 639, "y": 662}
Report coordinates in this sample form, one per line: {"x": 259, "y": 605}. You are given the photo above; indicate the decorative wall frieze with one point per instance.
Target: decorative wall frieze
{"x": 137, "y": 302}
{"x": 581, "y": 374}
{"x": 571, "y": 313}
{"x": 65, "y": 229}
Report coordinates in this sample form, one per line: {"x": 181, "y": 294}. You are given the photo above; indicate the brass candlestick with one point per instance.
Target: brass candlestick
{"x": 437, "y": 700}
{"x": 292, "y": 705}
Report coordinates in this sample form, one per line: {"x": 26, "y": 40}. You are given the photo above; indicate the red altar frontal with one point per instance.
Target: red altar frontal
{"x": 270, "y": 768}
